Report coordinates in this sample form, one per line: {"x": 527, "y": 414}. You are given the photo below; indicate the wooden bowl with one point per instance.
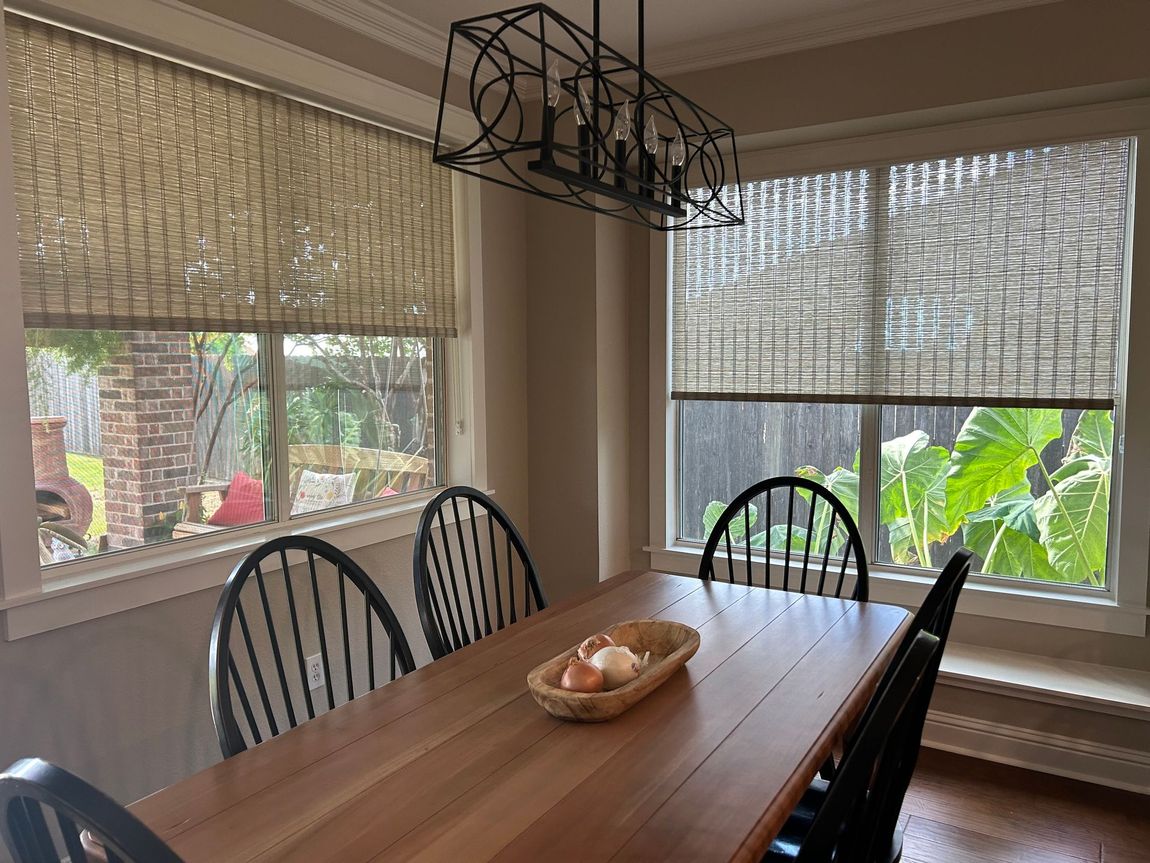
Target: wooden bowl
{"x": 671, "y": 645}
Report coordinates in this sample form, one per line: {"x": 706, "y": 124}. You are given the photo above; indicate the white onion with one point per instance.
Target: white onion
{"x": 618, "y": 664}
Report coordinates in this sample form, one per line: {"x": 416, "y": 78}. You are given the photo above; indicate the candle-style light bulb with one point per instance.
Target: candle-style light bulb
{"x": 651, "y": 137}
{"x": 583, "y": 117}
{"x": 622, "y": 128}
{"x": 678, "y": 151}
{"x": 583, "y": 114}
{"x": 553, "y": 86}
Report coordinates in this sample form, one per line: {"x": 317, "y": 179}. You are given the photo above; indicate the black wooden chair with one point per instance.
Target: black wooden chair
{"x": 817, "y": 537}
{"x": 45, "y": 812}
{"x": 462, "y": 588}
{"x": 934, "y": 617}
{"x": 843, "y": 827}
{"x": 325, "y": 619}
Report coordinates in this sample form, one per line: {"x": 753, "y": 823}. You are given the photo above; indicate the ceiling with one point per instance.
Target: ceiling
{"x": 681, "y": 34}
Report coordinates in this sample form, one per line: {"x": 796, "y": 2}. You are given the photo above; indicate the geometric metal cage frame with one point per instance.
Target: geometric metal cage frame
{"x": 569, "y": 153}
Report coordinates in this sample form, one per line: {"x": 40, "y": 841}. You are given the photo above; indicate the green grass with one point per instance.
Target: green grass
{"x": 88, "y": 470}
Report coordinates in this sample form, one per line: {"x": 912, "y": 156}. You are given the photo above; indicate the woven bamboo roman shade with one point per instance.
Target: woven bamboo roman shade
{"x": 154, "y": 196}
{"x": 993, "y": 279}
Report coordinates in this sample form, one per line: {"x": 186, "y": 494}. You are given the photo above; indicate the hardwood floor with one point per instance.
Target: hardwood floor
{"x": 962, "y": 810}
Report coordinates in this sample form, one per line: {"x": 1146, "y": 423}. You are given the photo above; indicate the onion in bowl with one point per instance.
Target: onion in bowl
{"x": 580, "y": 676}
{"x": 618, "y": 664}
{"x": 593, "y": 645}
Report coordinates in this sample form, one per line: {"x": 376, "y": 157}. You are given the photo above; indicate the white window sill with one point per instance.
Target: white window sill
{"x": 99, "y": 586}
{"x": 1002, "y": 600}
{"x": 1064, "y": 682}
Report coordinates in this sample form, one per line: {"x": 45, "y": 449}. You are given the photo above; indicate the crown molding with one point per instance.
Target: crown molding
{"x": 859, "y": 21}
{"x": 390, "y": 26}
{"x": 400, "y": 31}
{"x": 406, "y": 33}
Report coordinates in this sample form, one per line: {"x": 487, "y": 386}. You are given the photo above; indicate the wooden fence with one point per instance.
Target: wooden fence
{"x": 54, "y": 391}
{"x": 727, "y": 446}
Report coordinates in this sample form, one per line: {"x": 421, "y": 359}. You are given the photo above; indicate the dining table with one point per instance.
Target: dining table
{"x": 456, "y": 762}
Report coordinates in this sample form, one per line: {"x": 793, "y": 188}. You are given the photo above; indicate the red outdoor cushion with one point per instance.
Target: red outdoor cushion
{"x": 243, "y": 504}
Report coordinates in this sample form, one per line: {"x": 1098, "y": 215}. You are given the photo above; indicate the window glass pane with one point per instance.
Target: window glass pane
{"x": 362, "y": 418}
{"x": 727, "y": 446}
{"x": 1026, "y": 489}
{"x": 143, "y": 437}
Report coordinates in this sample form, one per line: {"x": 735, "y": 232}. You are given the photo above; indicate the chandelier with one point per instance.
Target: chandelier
{"x": 563, "y": 115}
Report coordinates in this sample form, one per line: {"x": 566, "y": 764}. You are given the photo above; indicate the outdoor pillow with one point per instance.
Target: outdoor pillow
{"x": 322, "y": 491}
{"x": 243, "y": 504}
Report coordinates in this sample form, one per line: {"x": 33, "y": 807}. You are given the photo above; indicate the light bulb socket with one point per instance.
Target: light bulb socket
{"x": 547, "y": 134}
{"x": 585, "y": 150}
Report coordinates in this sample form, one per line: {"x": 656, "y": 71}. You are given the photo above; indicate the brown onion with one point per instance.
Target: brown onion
{"x": 593, "y": 645}
{"x": 580, "y": 676}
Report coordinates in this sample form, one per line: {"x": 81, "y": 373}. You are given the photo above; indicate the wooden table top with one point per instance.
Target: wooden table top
{"x": 456, "y": 761}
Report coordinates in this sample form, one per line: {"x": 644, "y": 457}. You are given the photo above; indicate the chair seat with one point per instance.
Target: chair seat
{"x": 785, "y": 846}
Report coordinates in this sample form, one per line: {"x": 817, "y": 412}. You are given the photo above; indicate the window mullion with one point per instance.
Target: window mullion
{"x": 870, "y": 443}
{"x": 278, "y": 424}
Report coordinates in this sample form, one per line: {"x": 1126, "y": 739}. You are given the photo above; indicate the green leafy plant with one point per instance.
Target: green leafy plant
{"x": 82, "y": 352}
{"x": 994, "y": 487}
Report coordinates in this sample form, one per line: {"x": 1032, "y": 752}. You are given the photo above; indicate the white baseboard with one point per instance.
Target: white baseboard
{"x": 1100, "y": 763}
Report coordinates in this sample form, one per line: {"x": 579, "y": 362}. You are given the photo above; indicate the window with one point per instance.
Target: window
{"x": 362, "y": 423}
{"x": 193, "y": 249}
{"x": 963, "y": 313}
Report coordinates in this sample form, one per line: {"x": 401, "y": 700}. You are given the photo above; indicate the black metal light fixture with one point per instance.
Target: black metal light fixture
{"x": 608, "y": 136}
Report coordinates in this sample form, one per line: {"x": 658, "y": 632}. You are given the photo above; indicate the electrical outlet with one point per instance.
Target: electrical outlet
{"x": 314, "y": 665}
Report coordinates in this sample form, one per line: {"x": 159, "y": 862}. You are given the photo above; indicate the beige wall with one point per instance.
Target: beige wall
{"x": 562, "y": 395}
{"x": 612, "y": 371}
{"x": 1073, "y": 43}
{"x": 579, "y": 395}
{"x": 504, "y": 231}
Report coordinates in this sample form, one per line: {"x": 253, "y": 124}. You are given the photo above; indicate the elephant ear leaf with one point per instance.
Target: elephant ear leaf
{"x": 711, "y": 516}
{"x": 902, "y": 542}
{"x": 1005, "y": 551}
{"x": 843, "y": 484}
{"x": 1014, "y": 506}
{"x": 1093, "y": 436}
{"x": 992, "y": 453}
{"x": 1072, "y": 519}
{"x": 914, "y": 476}
{"x": 798, "y": 536}
{"x": 743, "y": 521}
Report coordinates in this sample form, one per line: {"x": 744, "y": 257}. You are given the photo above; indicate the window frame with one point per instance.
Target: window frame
{"x": 34, "y": 600}
{"x": 1121, "y": 607}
